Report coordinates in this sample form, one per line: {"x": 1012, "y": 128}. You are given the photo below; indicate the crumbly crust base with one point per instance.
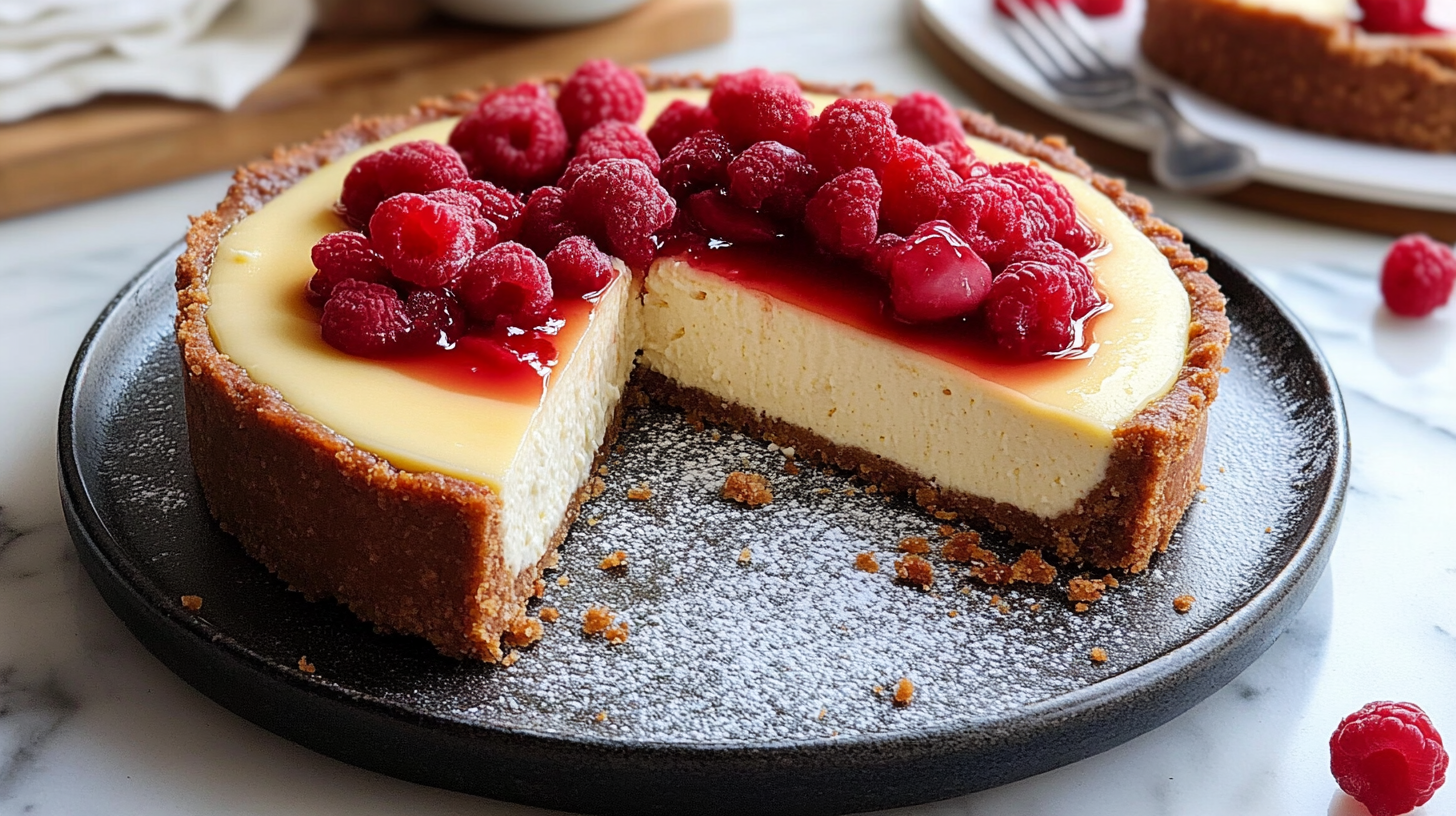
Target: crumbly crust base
{"x": 421, "y": 552}
{"x": 1323, "y": 77}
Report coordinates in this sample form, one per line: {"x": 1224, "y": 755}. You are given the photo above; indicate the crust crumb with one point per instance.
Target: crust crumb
{"x": 510, "y": 659}
{"x": 639, "y": 493}
{"x": 305, "y": 666}
{"x": 602, "y": 470}
{"x": 745, "y": 555}
{"x": 1183, "y": 603}
{"x": 1110, "y": 581}
{"x": 563, "y": 581}
{"x": 872, "y": 489}
{"x": 1081, "y": 607}
{"x": 914, "y": 570}
{"x": 945, "y": 531}
{"x": 522, "y": 631}
{"x": 1082, "y": 589}
{"x": 597, "y": 619}
{"x": 822, "y": 712}
{"x": 904, "y": 690}
{"x": 1031, "y": 568}
{"x": 601, "y": 716}
{"x": 963, "y": 548}
{"x": 914, "y": 544}
{"x": 550, "y": 614}
{"x": 749, "y": 489}
{"x": 946, "y": 515}
{"x": 878, "y": 690}
{"x": 616, "y": 559}
{"x": 616, "y": 635}
{"x": 594, "y": 521}
{"x": 595, "y": 487}
{"x": 791, "y": 468}
{"x": 538, "y": 590}
{"x": 1098, "y": 654}
{"x": 865, "y": 562}
{"x": 192, "y": 603}
{"x": 952, "y": 613}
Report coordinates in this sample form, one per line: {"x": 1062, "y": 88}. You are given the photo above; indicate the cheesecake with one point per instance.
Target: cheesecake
{"x": 429, "y": 491}
{"x": 1386, "y": 74}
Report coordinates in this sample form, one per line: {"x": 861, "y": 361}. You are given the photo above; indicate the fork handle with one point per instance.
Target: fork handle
{"x": 1186, "y": 158}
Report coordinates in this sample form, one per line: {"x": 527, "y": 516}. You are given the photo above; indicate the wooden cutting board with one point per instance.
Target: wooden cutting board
{"x": 120, "y": 143}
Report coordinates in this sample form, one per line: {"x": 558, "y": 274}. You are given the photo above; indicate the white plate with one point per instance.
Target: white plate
{"x": 1288, "y": 157}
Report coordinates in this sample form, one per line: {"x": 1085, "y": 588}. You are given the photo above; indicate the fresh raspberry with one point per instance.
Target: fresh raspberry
{"x": 543, "y": 222}
{"x": 367, "y": 319}
{"x": 961, "y": 158}
{"x": 498, "y": 205}
{"x": 610, "y": 140}
{"x": 935, "y": 275}
{"x": 600, "y": 91}
{"x": 1417, "y": 276}
{"x": 341, "y": 256}
{"x": 989, "y": 213}
{"x": 1389, "y": 757}
{"x": 851, "y": 133}
{"x": 1053, "y": 202}
{"x": 436, "y": 319}
{"x": 507, "y": 285}
{"x": 422, "y": 241}
{"x": 772, "y": 178}
{"x": 757, "y": 106}
{"x": 412, "y": 167}
{"x": 486, "y": 234}
{"x": 721, "y": 218}
{"x": 1079, "y": 275}
{"x": 578, "y": 268}
{"x": 514, "y": 138}
{"x": 1031, "y": 310}
{"x": 1091, "y": 8}
{"x": 881, "y": 253}
{"x": 619, "y": 204}
{"x": 1395, "y": 17}
{"x": 927, "y": 118}
{"x": 916, "y": 181}
{"x": 698, "y": 162}
{"x": 678, "y": 121}
{"x": 844, "y": 215}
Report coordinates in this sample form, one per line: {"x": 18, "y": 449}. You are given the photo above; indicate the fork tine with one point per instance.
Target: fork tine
{"x": 1076, "y": 28}
{"x": 1050, "y": 16}
{"x": 1035, "y": 31}
{"x": 1034, "y": 54}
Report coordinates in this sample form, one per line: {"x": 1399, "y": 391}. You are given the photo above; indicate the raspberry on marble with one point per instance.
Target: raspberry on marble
{"x": 1418, "y": 275}
{"x": 600, "y": 91}
{"x": 514, "y": 138}
{"x": 1388, "y": 756}
{"x": 412, "y": 167}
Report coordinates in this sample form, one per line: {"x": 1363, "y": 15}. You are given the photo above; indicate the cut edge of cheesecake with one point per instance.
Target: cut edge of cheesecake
{"x": 422, "y": 553}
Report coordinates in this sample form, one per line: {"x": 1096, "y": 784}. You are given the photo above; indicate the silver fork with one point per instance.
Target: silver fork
{"x": 1056, "y": 39}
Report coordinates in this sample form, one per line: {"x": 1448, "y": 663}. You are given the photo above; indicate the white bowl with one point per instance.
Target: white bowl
{"x": 535, "y": 13}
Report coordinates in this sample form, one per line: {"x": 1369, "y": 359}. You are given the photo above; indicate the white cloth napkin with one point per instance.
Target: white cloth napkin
{"x": 55, "y": 53}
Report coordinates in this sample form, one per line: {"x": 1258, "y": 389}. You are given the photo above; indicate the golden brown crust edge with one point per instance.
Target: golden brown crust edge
{"x": 420, "y": 553}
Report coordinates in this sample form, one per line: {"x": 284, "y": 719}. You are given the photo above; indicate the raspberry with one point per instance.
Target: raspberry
{"x": 600, "y": 91}
{"x": 757, "y": 106}
{"x": 486, "y": 234}
{"x": 610, "y": 140}
{"x": 1417, "y": 276}
{"x": 367, "y": 319}
{"x": 773, "y": 178}
{"x": 422, "y": 241}
{"x": 989, "y": 213}
{"x": 507, "y": 285}
{"x": 341, "y": 256}
{"x": 844, "y": 215}
{"x": 412, "y": 167}
{"x": 578, "y": 268}
{"x": 961, "y": 158}
{"x": 543, "y": 222}
{"x": 935, "y": 275}
{"x": 1395, "y": 17}
{"x": 927, "y": 118}
{"x": 916, "y": 181}
{"x": 1031, "y": 310}
{"x": 698, "y": 162}
{"x": 721, "y": 218}
{"x": 852, "y": 133}
{"x": 1389, "y": 757}
{"x": 1079, "y": 275}
{"x": 881, "y": 253}
{"x": 1092, "y": 8}
{"x": 1053, "y": 202}
{"x": 619, "y": 204}
{"x": 678, "y": 121}
{"x": 498, "y": 205}
{"x": 436, "y": 319}
{"x": 514, "y": 138}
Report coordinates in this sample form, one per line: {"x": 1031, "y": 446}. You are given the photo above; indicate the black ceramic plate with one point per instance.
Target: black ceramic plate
{"x": 745, "y": 688}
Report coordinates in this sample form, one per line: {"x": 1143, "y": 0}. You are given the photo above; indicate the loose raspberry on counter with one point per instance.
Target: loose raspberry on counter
{"x": 507, "y": 285}
{"x": 1389, "y": 757}
{"x": 1053, "y": 201}
{"x": 341, "y": 256}
{"x": 599, "y": 91}
{"x": 758, "y": 106}
{"x": 610, "y": 140}
{"x": 679, "y": 120}
{"x": 772, "y": 178}
{"x": 927, "y": 118}
{"x": 543, "y": 221}
{"x": 844, "y": 215}
{"x": 422, "y": 241}
{"x": 578, "y": 268}
{"x": 1418, "y": 275}
{"x": 961, "y": 158}
{"x": 1395, "y": 17}
{"x": 411, "y": 167}
{"x": 514, "y": 138}
{"x": 719, "y": 217}
{"x": 988, "y": 211}
{"x": 935, "y": 275}
{"x": 698, "y": 162}
{"x": 437, "y": 320}
{"x": 619, "y": 204}
{"x": 1031, "y": 310}
{"x": 367, "y": 319}
{"x": 851, "y": 133}
{"x": 916, "y": 182}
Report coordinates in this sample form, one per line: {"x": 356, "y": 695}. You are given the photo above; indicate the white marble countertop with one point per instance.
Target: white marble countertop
{"x": 90, "y": 722}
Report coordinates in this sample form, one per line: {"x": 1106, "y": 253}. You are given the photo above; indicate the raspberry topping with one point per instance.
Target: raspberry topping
{"x": 1031, "y": 310}
{"x": 721, "y": 218}
{"x": 844, "y": 215}
{"x": 852, "y": 133}
{"x": 514, "y": 138}
{"x": 499, "y": 206}
{"x": 1079, "y": 275}
{"x": 935, "y": 275}
{"x": 927, "y": 118}
{"x": 1395, "y": 17}
{"x": 758, "y": 106}
{"x": 620, "y": 205}
{"x": 610, "y": 140}
{"x": 1053, "y": 203}
{"x": 507, "y": 285}
{"x": 916, "y": 182}
{"x": 543, "y": 222}
{"x": 988, "y": 211}
{"x": 367, "y": 319}
{"x": 341, "y": 256}
{"x": 678, "y": 121}
{"x": 577, "y": 267}
{"x": 1389, "y": 757}
{"x": 436, "y": 319}
{"x": 881, "y": 253}
{"x": 412, "y": 167}
{"x": 961, "y": 158}
{"x": 1417, "y": 276}
{"x": 422, "y": 241}
{"x": 486, "y": 235}
{"x": 698, "y": 162}
{"x": 772, "y": 178}
{"x": 600, "y": 91}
